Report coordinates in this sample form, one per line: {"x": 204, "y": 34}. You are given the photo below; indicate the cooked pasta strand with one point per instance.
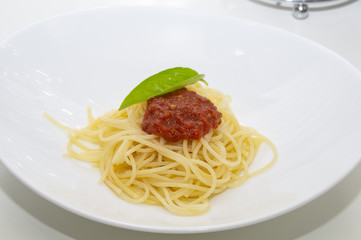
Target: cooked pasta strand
{"x": 182, "y": 176}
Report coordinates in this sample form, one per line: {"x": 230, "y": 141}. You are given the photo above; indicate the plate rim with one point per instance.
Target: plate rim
{"x": 173, "y": 229}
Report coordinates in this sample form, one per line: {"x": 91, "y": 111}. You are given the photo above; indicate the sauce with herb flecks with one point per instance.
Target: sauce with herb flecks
{"x": 181, "y": 114}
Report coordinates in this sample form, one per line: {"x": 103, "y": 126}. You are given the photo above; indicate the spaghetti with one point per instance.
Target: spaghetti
{"x": 181, "y": 176}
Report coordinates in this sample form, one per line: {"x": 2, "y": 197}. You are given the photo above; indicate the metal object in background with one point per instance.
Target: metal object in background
{"x": 300, "y": 8}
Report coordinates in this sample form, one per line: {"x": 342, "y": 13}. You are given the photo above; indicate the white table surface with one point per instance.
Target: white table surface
{"x": 334, "y": 215}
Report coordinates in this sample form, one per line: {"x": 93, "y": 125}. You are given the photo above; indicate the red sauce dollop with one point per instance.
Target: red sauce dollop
{"x": 181, "y": 114}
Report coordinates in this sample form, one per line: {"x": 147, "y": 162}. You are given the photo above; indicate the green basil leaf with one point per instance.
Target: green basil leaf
{"x": 161, "y": 83}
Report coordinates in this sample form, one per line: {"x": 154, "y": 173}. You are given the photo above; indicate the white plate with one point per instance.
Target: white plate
{"x": 299, "y": 94}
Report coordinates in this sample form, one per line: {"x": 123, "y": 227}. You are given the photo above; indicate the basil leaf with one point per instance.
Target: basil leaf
{"x": 161, "y": 83}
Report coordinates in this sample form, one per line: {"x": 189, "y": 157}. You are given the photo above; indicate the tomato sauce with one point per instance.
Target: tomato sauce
{"x": 181, "y": 114}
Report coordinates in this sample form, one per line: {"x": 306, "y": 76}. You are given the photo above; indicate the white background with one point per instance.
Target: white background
{"x": 334, "y": 215}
